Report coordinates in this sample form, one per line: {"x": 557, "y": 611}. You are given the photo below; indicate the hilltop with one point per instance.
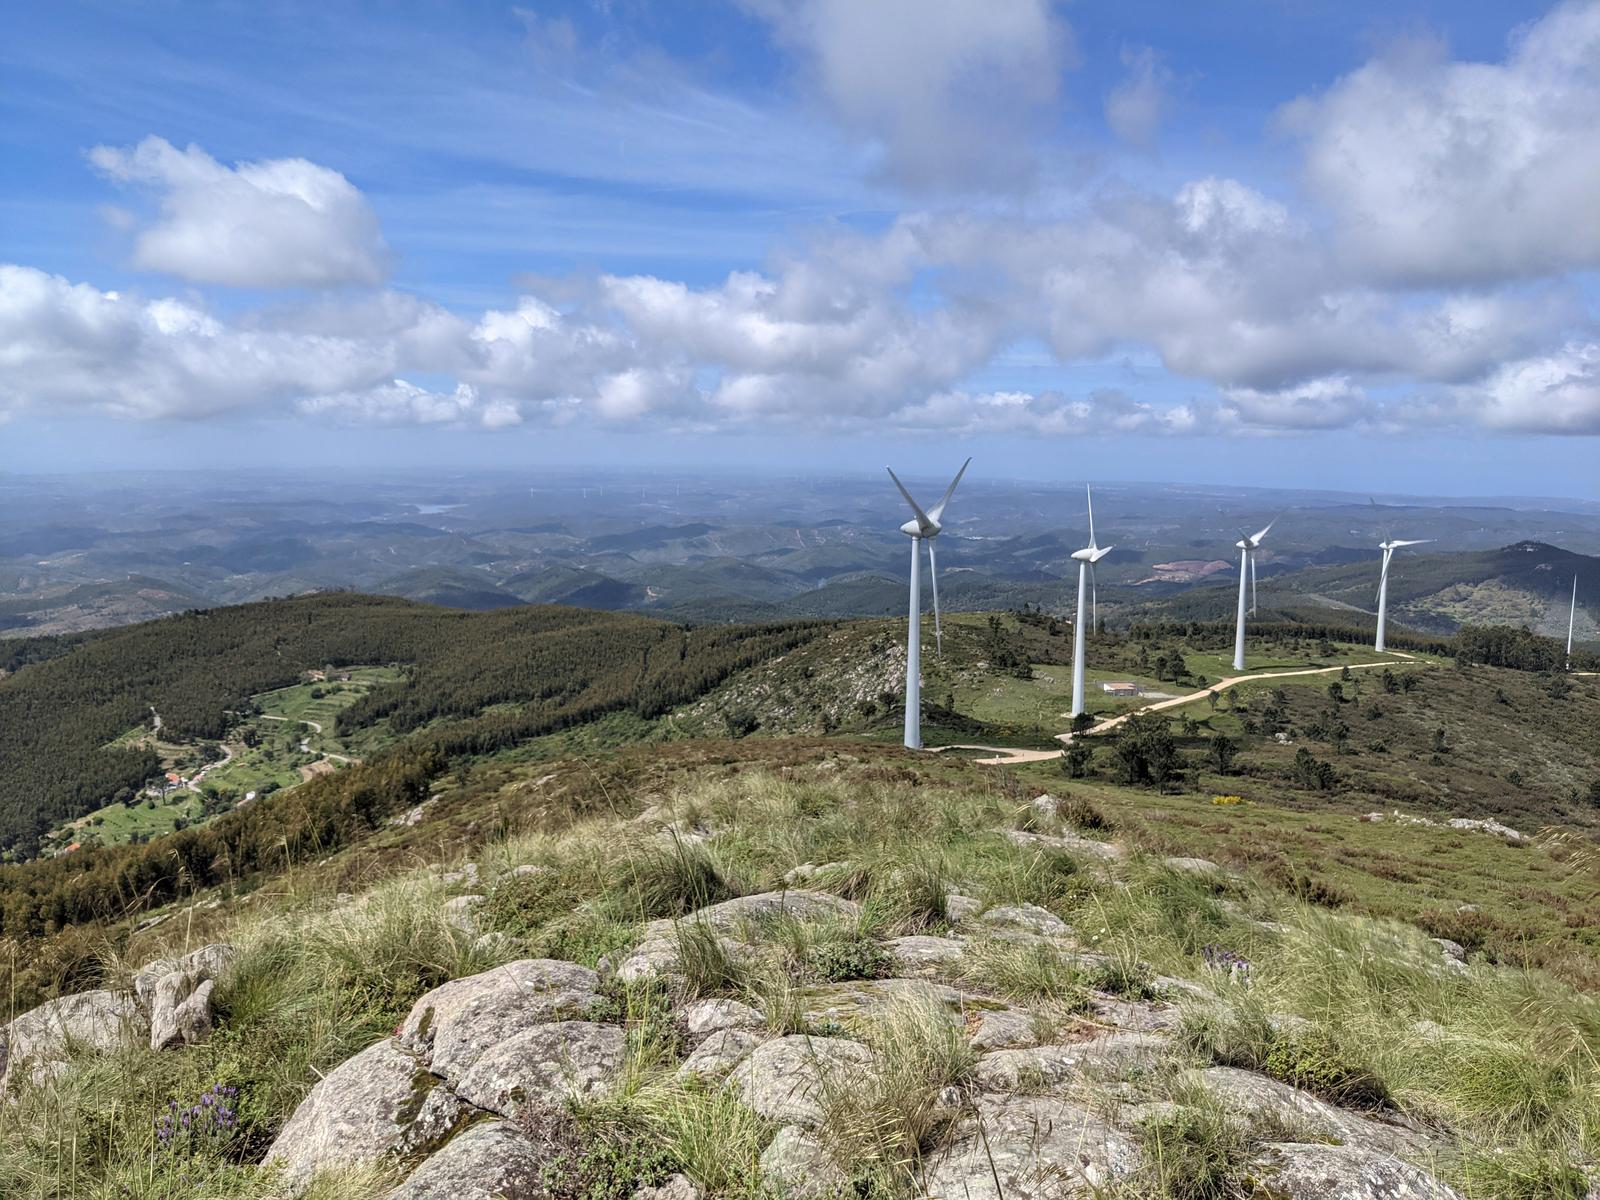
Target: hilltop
{"x": 1335, "y": 921}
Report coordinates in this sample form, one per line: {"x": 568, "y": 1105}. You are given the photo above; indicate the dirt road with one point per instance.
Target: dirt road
{"x": 1007, "y": 756}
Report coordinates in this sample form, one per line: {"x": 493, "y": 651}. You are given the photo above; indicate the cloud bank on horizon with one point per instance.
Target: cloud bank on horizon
{"x": 1427, "y": 263}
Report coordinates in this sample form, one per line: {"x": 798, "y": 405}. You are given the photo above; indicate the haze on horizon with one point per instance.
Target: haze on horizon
{"x": 1346, "y": 247}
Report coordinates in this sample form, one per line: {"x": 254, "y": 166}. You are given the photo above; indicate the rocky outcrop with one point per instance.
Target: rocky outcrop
{"x": 789, "y": 1079}
{"x": 180, "y": 1014}
{"x": 1315, "y": 1171}
{"x": 1048, "y": 1068}
{"x": 545, "y": 1066}
{"x": 490, "y": 1161}
{"x": 718, "y": 1054}
{"x": 37, "y": 1045}
{"x": 1251, "y": 1095}
{"x": 796, "y": 1167}
{"x": 1030, "y": 1148}
{"x": 379, "y": 1104}
{"x": 453, "y": 1025}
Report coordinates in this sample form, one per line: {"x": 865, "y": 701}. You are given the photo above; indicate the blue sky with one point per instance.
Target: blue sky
{"x": 1338, "y": 244}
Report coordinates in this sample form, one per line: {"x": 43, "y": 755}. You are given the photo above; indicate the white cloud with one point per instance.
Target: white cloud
{"x": 280, "y": 222}
{"x": 72, "y": 345}
{"x": 947, "y": 89}
{"x": 1330, "y": 403}
{"x": 1136, "y": 107}
{"x": 1442, "y": 172}
{"x": 1557, "y": 392}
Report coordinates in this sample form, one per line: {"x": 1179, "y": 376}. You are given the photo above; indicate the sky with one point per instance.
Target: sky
{"x": 1268, "y": 242}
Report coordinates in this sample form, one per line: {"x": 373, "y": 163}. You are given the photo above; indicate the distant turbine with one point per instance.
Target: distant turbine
{"x": 923, "y": 526}
{"x": 1247, "y": 567}
{"x": 1389, "y": 545}
{"x": 1087, "y": 557}
{"x": 1572, "y": 617}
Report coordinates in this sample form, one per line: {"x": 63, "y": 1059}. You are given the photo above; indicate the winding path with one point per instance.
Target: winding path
{"x": 1007, "y": 755}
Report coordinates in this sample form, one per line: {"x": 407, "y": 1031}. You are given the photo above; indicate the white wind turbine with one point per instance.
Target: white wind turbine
{"x": 1572, "y": 617}
{"x": 1086, "y": 558}
{"x": 1389, "y": 545}
{"x": 923, "y": 526}
{"x": 1248, "y": 546}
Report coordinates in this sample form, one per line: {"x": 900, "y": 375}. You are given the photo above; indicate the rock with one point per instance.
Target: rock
{"x": 377, "y": 1104}
{"x": 674, "y": 1187}
{"x": 1249, "y": 1094}
{"x": 864, "y": 999}
{"x": 806, "y": 872}
{"x": 544, "y": 1066}
{"x": 1194, "y": 866}
{"x": 465, "y": 875}
{"x": 705, "y": 1017}
{"x": 523, "y": 870}
{"x": 1046, "y": 806}
{"x": 1048, "y": 1068}
{"x": 180, "y": 1014}
{"x": 1489, "y": 825}
{"x": 495, "y": 943}
{"x": 1067, "y": 843}
{"x": 458, "y": 912}
{"x": 1001, "y": 1028}
{"x": 959, "y": 908}
{"x": 1314, "y": 1171}
{"x": 796, "y": 1167}
{"x": 764, "y": 906}
{"x": 1027, "y": 916}
{"x": 1135, "y": 1015}
{"x": 208, "y": 962}
{"x": 718, "y": 1054}
{"x": 486, "y": 1162}
{"x": 1029, "y": 1148}
{"x": 1451, "y": 950}
{"x": 920, "y": 954}
{"x": 36, "y": 1045}
{"x": 457, "y": 1021}
{"x": 788, "y": 1078}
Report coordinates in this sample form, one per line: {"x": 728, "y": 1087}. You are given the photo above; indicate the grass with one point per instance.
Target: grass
{"x": 1352, "y": 1006}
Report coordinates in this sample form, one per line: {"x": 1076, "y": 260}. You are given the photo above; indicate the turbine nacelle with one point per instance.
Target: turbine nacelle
{"x": 925, "y": 529}
{"x": 1253, "y": 541}
{"x": 1092, "y": 554}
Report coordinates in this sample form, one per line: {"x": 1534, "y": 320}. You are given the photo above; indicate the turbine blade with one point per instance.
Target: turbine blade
{"x": 1417, "y": 542}
{"x": 921, "y": 516}
{"x": 1264, "y": 532}
{"x": 937, "y": 510}
{"x": 1252, "y": 583}
{"x": 1089, "y": 492}
{"x": 1094, "y": 599}
{"x": 1100, "y": 552}
{"x": 1383, "y": 575}
{"x": 933, "y": 577}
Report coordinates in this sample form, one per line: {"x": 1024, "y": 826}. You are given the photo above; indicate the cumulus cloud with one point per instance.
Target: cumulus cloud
{"x": 1445, "y": 172}
{"x": 1557, "y": 392}
{"x": 1136, "y": 107}
{"x": 946, "y": 89}
{"x": 281, "y": 222}
{"x": 1331, "y": 403}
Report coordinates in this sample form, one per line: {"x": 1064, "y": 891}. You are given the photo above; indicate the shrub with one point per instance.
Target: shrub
{"x": 848, "y": 958}
{"x": 1197, "y": 1152}
{"x": 1313, "y": 1062}
{"x": 584, "y": 1163}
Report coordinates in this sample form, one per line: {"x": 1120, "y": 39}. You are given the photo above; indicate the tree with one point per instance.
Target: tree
{"x": 1077, "y": 759}
{"x": 1146, "y": 754}
{"x": 1336, "y": 692}
{"x": 1081, "y": 724}
{"x": 1222, "y": 750}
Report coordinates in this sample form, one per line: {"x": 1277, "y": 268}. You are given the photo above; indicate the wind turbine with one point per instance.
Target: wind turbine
{"x": 1087, "y": 557}
{"x": 1389, "y": 545}
{"x": 1248, "y": 546}
{"x": 923, "y": 526}
{"x": 1572, "y": 617}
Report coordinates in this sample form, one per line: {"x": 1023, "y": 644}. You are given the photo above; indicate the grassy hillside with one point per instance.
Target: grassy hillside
{"x": 1484, "y": 1072}
{"x": 61, "y": 715}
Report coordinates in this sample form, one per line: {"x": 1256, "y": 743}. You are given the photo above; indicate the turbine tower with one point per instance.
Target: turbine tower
{"x": 1247, "y": 567}
{"x": 923, "y": 527}
{"x": 1087, "y": 557}
{"x": 1572, "y": 617}
{"x": 1389, "y": 545}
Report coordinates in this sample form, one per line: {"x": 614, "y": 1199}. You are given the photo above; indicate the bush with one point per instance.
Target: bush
{"x": 851, "y": 958}
{"x": 1314, "y": 1063}
{"x": 1197, "y": 1152}
{"x": 580, "y": 1163}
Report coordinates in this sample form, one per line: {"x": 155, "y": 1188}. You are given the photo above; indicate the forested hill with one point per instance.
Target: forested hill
{"x": 537, "y": 668}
